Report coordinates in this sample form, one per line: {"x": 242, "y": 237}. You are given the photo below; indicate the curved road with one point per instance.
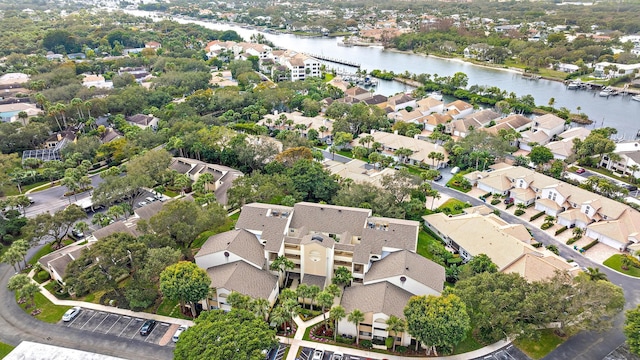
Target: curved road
{"x": 17, "y": 326}
{"x": 585, "y": 345}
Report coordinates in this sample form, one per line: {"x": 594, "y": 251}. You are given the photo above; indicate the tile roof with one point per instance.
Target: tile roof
{"x": 409, "y": 264}
{"x": 241, "y": 277}
{"x": 239, "y": 242}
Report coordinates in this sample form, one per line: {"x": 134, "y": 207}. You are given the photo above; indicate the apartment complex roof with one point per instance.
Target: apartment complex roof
{"x": 409, "y": 264}
{"x": 243, "y": 278}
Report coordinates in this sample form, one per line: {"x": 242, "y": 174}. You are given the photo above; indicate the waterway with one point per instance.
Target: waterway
{"x": 619, "y": 112}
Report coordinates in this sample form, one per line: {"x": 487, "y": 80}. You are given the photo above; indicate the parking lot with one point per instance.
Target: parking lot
{"x": 307, "y": 353}
{"x": 508, "y": 352}
{"x": 122, "y": 326}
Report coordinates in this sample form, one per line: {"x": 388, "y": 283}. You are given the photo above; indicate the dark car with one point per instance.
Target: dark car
{"x": 438, "y": 177}
{"x": 632, "y": 187}
{"x": 508, "y": 201}
{"x": 147, "y": 327}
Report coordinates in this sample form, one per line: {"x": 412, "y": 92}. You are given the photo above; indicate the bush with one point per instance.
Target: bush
{"x": 546, "y": 225}
{"x": 366, "y": 344}
{"x": 536, "y": 215}
{"x": 572, "y": 240}
{"x": 590, "y": 245}
{"x": 485, "y": 196}
{"x": 344, "y": 340}
{"x": 42, "y": 276}
{"x": 401, "y": 349}
{"x": 389, "y": 342}
{"x": 537, "y": 245}
{"x": 510, "y": 205}
{"x": 518, "y": 212}
{"x": 561, "y": 230}
{"x": 495, "y": 201}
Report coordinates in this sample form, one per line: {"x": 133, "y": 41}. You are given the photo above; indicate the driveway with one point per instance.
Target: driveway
{"x": 16, "y": 326}
{"x": 585, "y": 345}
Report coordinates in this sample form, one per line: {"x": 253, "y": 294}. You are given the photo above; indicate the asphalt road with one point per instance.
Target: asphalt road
{"x": 17, "y": 326}
{"x": 53, "y": 199}
{"x": 585, "y": 345}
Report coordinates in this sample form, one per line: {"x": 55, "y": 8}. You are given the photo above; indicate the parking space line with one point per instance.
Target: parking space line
{"x": 68, "y": 324}
{"x": 105, "y": 318}
{"x": 125, "y": 328}
{"x": 92, "y": 316}
{"x": 114, "y": 323}
{"x": 137, "y": 331}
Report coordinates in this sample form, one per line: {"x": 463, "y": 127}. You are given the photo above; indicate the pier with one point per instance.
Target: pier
{"x": 336, "y": 61}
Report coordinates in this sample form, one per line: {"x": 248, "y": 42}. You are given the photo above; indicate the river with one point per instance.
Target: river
{"x": 619, "y": 112}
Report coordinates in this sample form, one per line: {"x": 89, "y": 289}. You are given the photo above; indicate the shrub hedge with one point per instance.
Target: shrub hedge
{"x": 561, "y": 230}
{"x": 536, "y": 215}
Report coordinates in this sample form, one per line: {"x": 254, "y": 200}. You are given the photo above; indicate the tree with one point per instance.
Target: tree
{"x": 17, "y": 281}
{"x": 336, "y": 314}
{"x": 22, "y": 247}
{"x": 282, "y": 264}
{"x": 325, "y": 300}
{"x": 182, "y": 221}
{"x": 356, "y": 317}
{"x": 185, "y": 282}
{"x": 12, "y": 256}
{"x": 396, "y": 325}
{"x": 632, "y": 329}
{"x": 29, "y": 291}
{"x": 54, "y": 226}
{"x": 403, "y": 154}
{"x": 437, "y": 321}
{"x": 342, "y": 276}
{"x": 540, "y": 155}
{"x": 236, "y": 335}
{"x": 595, "y": 274}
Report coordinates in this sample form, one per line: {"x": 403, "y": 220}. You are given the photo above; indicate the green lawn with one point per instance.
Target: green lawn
{"x": 50, "y": 313}
{"x": 424, "y": 240}
{"x": 169, "y": 308}
{"x": 615, "y": 262}
{"x": 537, "y": 349}
{"x": 468, "y": 344}
{"x": 608, "y": 173}
{"x": 454, "y": 206}
{"x": 5, "y": 349}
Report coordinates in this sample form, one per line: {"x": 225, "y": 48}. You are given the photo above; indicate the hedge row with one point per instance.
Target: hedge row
{"x": 536, "y": 215}
{"x": 561, "y": 230}
{"x": 590, "y": 245}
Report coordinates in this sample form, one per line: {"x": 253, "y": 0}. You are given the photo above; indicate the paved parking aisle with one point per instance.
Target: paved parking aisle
{"x": 106, "y": 324}
{"x": 95, "y": 321}
{"x": 84, "y": 316}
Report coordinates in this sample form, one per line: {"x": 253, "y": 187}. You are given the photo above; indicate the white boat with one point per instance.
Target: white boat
{"x": 635, "y": 97}
{"x": 606, "y": 92}
{"x": 574, "y": 85}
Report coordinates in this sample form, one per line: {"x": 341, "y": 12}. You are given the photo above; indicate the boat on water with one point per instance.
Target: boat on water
{"x": 574, "y": 85}
{"x": 606, "y": 92}
{"x": 635, "y": 97}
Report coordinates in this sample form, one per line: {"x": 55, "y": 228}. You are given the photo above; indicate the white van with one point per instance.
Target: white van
{"x": 455, "y": 170}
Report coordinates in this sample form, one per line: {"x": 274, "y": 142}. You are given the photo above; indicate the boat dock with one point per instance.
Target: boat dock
{"x": 336, "y": 61}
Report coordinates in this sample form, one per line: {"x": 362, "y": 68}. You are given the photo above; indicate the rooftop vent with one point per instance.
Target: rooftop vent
{"x": 317, "y": 238}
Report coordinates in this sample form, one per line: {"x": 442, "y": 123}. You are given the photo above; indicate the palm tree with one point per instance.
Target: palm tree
{"x": 115, "y": 211}
{"x": 577, "y": 232}
{"x": 632, "y": 175}
{"x": 278, "y": 317}
{"x": 182, "y": 181}
{"x": 595, "y": 274}
{"x": 367, "y": 139}
{"x": 78, "y": 104}
{"x": 302, "y": 291}
{"x": 395, "y": 325}
{"x": 81, "y": 226}
{"x": 314, "y": 291}
{"x": 282, "y": 265}
{"x": 356, "y": 317}
{"x": 336, "y": 314}
{"x": 325, "y": 301}
{"x": 403, "y": 153}
{"x": 203, "y": 181}
{"x": 29, "y": 291}
{"x": 23, "y": 116}
{"x": 260, "y": 307}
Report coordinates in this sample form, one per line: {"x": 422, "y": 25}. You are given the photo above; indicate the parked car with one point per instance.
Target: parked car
{"x": 455, "y": 170}
{"x": 178, "y": 332}
{"x": 147, "y": 327}
{"x": 581, "y": 171}
{"x": 31, "y": 199}
{"x": 508, "y": 201}
{"x": 318, "y": 354}
{"x": 149, "y": 199}
{"x": 631, "y": 187}
{"x": 337, "y": 356}
{"x": 71, "y": 314}
{"x": 438, "y": 177}
{"x": 142, "y": 203}
{"x": 77, "y": 234}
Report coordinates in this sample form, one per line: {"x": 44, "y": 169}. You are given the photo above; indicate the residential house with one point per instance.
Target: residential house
{"x": 430, "y": 105}
{"x": 509, "y": 246}
{"x": 223, "y": 176}
{"x": 477, "y": 120}
{"x": 358, "y": 171}
{"x": 143, "y": 121}
{"x": 612, "y": 223}
{"x": 611, "y": 70}
{"x": 139, "y": 73}
{"x": 376, "y": 99}
{"x": 339, "y": 83}
{"x": 545, "y": 128}
{"x": 153, "y": 45}
{"x": 10, "y": 112}
{"x": 56, "y": 262}
{"x": 563, "y": 148}
{"x": 299, "y": 66}
{"x": 97, "y": 81}
{"x": 413, "y": 116}
{"x": 629, "y": 163}
{"x": 222, "y": 79}
{"x": 568, "y": 68}
{"x": 401, "y": 101}
{"x": 514, "y": 122}
{"x": 458, "y": 109}
{"x": 321, "y": 124}
{"x": 431, "y": 122}
{"x": 421, "y": 149}
{"x": 357, "y": 92}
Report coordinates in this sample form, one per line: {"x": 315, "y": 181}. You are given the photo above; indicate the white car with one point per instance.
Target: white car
{"x": 178, "y": 332}
{"x": 337, "y": 356}
{"x": 71, "y": 314}
{"x": 318, "y": 354}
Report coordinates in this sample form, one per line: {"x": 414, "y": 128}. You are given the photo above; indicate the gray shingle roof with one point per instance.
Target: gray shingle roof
{"x": 381, "y": 297}
{"x": 243, "y": 278}
{"x": 329, "y": 218}
{"x": 240, "y": 242}
{"x": 407, "y": 264}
